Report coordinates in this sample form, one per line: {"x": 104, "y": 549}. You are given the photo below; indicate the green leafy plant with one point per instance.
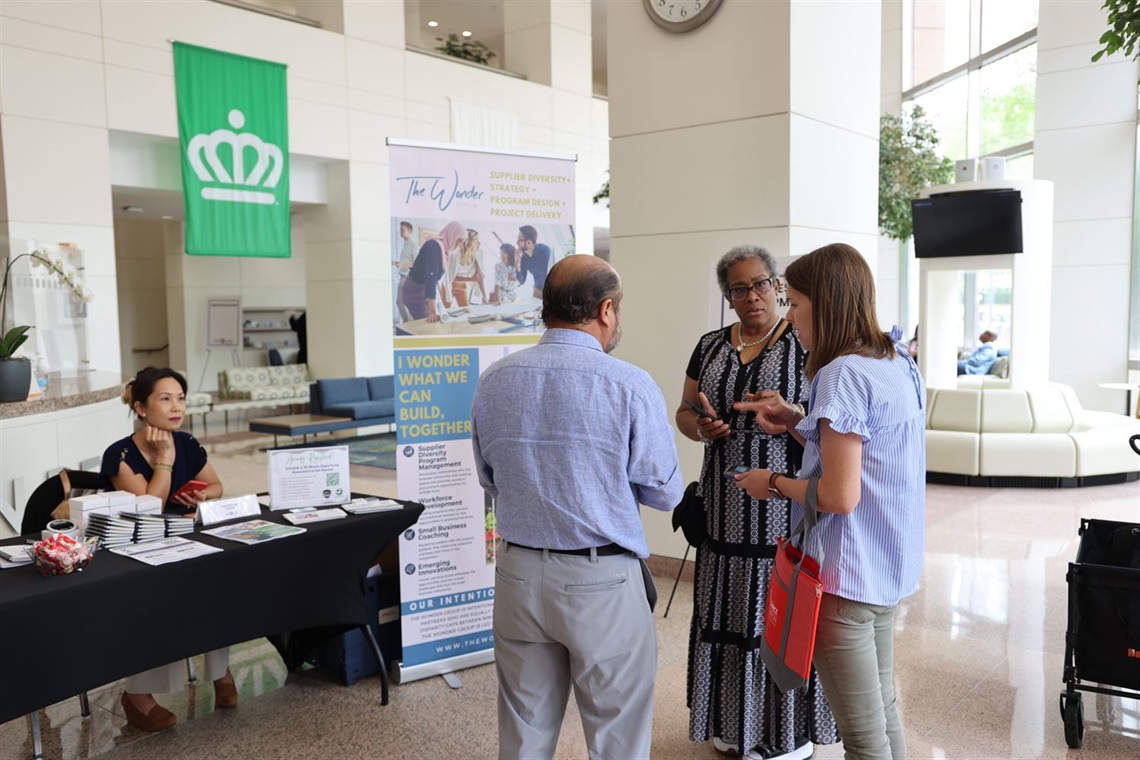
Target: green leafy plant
{"x": 467, "y": 49}
{"x": 908, "y": 162}
{"x": 603, "y": 194}
{"x": 12, "y": 341}
{"x": 1123, "y": 29}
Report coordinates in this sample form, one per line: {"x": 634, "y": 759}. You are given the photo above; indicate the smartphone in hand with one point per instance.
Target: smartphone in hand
{"x": 193, "y": 485}
{"x": 701, "y": 411}
{"x": 737, "y": 470}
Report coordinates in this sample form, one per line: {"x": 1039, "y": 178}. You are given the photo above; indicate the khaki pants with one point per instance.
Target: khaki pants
{"x": 577, "y": 622}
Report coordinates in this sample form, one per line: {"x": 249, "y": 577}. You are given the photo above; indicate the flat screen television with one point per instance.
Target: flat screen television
{"x": 971, "y": 223}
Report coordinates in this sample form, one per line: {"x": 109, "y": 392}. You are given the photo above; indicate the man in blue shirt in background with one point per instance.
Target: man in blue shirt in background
{"x": 534, "y": 259}
{"x": 569, "y": 441}
{"x": 983, "y": 357}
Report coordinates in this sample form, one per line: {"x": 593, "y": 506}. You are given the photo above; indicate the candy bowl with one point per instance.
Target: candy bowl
{"x": 62, "y": 555}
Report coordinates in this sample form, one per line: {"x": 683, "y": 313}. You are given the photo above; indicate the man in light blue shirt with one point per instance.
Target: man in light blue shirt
{"x": 569, "y": 441}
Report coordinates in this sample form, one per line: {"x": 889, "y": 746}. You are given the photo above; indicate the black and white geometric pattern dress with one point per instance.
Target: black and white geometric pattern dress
{"x": 730, "y": 695}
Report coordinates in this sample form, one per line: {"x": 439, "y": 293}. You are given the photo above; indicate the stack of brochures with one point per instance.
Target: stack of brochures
{"x": 15, "y": 556}
{"x": 111, "y": 531}
{"x": 147, "y": 527}
{"x": 369, "y": 504}
{"x": 178, "y": 525}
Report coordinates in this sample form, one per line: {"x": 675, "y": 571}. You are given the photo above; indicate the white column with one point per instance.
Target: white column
{"x": 769, "y": 140}
{"x": 1086, "y": 144}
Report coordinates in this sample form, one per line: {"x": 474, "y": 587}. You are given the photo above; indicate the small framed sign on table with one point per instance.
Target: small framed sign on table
{"x": 308, "y": 477}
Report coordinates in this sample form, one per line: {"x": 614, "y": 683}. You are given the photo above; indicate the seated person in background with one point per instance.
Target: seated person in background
{"x": 158, "y": 460}
{"x": 984, "y": 356}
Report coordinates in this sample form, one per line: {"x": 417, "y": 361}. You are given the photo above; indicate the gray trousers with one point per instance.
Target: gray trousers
{"x": 854, "y": 656}
{"x": 565, "y": 621}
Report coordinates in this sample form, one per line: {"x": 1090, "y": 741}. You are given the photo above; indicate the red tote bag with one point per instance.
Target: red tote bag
{"x": 794, "y": 595}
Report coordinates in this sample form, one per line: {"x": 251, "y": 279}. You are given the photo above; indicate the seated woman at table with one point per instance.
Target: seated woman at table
{"x": 159, "y": 460}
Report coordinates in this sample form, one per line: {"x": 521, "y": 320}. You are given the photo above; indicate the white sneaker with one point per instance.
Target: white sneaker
{"x": 801, "y": 752}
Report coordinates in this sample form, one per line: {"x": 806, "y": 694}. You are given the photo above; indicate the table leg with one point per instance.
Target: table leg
{"x": 84, "y": 706}
{"x": 678, "y": 581}
{"x": 379, "y": 658}
{"x": 37, "y": 745}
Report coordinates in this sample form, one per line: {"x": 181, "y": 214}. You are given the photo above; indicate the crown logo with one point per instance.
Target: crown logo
{"x": 205, "y": 146}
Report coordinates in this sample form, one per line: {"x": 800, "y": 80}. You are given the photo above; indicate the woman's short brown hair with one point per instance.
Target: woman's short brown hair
{"x": 841, "y": 288}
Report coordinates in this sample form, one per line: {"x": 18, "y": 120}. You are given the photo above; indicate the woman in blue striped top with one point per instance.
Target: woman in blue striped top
{"x": 864, "y": 441}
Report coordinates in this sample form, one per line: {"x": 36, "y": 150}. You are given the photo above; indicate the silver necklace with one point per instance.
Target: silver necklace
{"x": 740, "y": 332}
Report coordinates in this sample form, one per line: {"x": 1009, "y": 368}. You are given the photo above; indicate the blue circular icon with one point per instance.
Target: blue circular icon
{"x": 410, "y": 569}
{"x": 409, "y": 534}
{"x": 408, "y": 451}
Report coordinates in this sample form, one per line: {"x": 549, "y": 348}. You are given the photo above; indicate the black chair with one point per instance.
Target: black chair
{"x": 37, "y": 514}
{"x": 53, "y": 492}
{"x": 275, "y": 359}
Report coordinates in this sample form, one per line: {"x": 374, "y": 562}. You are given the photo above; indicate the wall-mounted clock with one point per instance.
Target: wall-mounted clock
{"x": 680, "y": 15}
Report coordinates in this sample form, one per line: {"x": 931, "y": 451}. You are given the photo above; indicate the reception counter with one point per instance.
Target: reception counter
{"x": 69, "y": 426}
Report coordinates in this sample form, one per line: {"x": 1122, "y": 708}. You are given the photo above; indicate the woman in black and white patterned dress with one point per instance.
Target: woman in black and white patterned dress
{"x": 731, "y": 698}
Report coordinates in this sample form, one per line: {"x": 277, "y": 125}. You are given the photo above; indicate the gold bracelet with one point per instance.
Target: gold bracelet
{"x": 163, "y": 466}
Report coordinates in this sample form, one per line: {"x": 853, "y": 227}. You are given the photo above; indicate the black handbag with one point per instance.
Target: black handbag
{"x": 689, "y": 516}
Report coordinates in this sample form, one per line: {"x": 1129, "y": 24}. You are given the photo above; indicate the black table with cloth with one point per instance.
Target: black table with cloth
{"x": 61, "y": 636}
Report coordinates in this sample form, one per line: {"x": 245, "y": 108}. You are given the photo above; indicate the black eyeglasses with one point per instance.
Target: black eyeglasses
{"x": 760, "y": 287}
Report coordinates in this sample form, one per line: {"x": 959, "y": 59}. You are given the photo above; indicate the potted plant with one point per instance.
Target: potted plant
{"x": 15, "y": 371}
{"x": 908, "y": 163}
{"x": 468, "y": 50}
{"x": 1123, "y": 29}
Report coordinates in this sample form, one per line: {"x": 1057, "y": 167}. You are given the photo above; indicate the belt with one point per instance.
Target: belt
{"x": 602, "y": 551}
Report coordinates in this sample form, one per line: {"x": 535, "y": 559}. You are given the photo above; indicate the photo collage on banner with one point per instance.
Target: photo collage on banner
{"x": 474, "y": 234}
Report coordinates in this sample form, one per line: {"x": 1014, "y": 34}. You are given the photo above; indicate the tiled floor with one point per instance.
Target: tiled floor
{"x": 978, "y": 659}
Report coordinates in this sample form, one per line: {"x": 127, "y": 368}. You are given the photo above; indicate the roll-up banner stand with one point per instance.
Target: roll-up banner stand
{"x": 474, "y": 231}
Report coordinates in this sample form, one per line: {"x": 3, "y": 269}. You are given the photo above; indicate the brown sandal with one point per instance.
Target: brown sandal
{"x": 158, "y": 719}
{"x": 225, "y": 694}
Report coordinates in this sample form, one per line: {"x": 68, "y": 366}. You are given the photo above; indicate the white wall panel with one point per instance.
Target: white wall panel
{"x": 728, "y": 186}
{"x": 371, "y": 102}
{"x": 36, "y": 151}
{"x": 76, "y": 15}
{"x": 312, "y": 91}
{"x": 1088, "y": 342}
{"x": 1075, "y": 98}
{"x": 50, "y": 39}
{"x": 156, "y": 60}
{"x": 572, "y": 112}
{"x": 377, "y": 22}
{"x": 1070, "y": 22}
{"x": 1086, "y": 166}
{"x": 318, "y": 130}
{"x": 1097, "y": 242}
{"x": 833, "y": 178}
{"x": 368, "y": 132}
{"x": 141, "y": 101}
{"x": 308, "y": 52}
{"x": 645, "y": 98}
{"x": 49, "y": 86}
{"x": 836, "y": 46}
{"x": 375, "y": 68}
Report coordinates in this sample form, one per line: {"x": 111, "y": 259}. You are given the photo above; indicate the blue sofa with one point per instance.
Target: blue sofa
{"x": 365, "y": 400}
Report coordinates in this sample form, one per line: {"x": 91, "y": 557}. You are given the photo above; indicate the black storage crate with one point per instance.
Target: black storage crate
{"x": 349, "y": 656}
{"x": 1102, "y": 642}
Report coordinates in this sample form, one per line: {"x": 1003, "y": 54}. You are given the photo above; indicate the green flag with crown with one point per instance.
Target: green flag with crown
{"x": 234, "y": 133}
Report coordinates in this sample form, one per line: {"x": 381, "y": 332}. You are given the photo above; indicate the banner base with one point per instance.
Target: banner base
{"x": 400, "y": 674}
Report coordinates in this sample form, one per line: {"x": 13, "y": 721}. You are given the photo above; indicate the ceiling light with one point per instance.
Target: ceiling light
{"x": 133, "y": 209}
{"x": 433, "y": 24}
{"x": 466, "y": 33}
